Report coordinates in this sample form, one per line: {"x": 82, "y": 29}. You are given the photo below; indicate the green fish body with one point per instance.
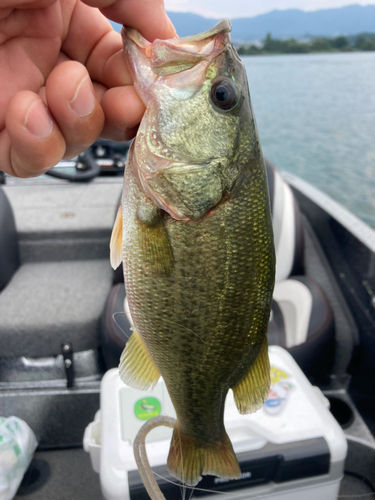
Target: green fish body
{"x": 197, "y": 244}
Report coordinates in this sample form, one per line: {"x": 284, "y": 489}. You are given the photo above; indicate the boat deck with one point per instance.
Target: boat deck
{"x": 74, "y": 221}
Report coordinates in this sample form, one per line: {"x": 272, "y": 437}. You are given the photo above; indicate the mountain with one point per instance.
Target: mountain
{"x": 349, "y": 20}
{"x": 186, "y": 23}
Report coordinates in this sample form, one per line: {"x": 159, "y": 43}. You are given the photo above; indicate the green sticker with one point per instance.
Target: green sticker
{"x": 147, "y": 408}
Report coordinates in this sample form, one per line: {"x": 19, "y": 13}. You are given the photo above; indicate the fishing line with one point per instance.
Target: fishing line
{"x": 192, "y": 493}
{"x": 185, "y": 327}
{"x": 182, "y": 463}
{"x": 164, "y": 320}
{"x": 144, "y": 468}
{"x": 140, "y": 455}
{"x": 193, "y": 487}
{"x": 139, "y": 446}
{"x": 206, "y": 490}
{"x": 118, "y": 325}
{"x": 362, "y": 495}
{"x": 148, "y": 475}
{"x": 182, "y": 484}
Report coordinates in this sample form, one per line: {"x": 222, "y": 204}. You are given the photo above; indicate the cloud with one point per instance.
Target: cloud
{"x": 248, "y": 8}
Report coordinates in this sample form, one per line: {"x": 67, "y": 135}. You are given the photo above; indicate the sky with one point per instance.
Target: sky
{"x": 249, "y": 8}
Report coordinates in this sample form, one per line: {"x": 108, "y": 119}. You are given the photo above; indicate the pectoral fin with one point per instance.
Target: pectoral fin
{"x": 137, "y": 368}
{"x": 115, "y": 244}
{"x": 252, "y": 391}
{"x": 154, "y": 241}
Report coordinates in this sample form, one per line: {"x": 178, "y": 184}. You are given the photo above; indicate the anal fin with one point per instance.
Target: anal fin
{"x": 252, "y": 391}
{"x": 115, "y": 244}
{"x": 137, "y": 368}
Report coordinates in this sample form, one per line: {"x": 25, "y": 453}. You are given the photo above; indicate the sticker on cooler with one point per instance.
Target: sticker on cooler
{"x": 280, "y": 389}
{"x": 147, "y": 407}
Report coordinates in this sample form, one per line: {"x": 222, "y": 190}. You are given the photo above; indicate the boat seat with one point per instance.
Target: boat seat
{"x": 46, "y": 304}
{"x": 287, "y": 226}
{"x": 9, "y": 252}
{"x": 301, "y": 319}
{"x": 115, "y": 326}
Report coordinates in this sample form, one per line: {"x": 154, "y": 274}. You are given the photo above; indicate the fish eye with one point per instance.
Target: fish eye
{"x": 224, "y": 93}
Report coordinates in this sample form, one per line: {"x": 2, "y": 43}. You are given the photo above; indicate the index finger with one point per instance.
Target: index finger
{"x": 147, "y": 16}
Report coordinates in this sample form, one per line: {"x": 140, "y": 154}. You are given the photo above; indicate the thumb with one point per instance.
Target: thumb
{"x": 147, "y": 16}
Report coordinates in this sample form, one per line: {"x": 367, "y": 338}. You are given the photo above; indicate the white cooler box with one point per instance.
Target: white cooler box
{"x": 291, "y": 449}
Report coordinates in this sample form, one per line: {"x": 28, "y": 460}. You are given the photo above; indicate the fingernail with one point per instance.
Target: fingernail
{"x": 38, "y": 120}
{"x": 83, "y": 101}
{"x": 172, "y": 28}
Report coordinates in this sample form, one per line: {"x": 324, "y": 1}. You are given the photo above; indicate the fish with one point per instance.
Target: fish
{"x": 195, "y": 237}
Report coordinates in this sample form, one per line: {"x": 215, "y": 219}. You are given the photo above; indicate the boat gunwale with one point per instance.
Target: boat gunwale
{"x": 359, "y": 229}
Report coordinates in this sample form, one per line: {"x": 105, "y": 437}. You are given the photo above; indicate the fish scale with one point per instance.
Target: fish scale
{"x": 229, "y": 281}
{"x": 197, "y": 245}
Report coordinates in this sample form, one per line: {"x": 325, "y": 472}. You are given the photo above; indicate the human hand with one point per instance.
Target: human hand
{"x": 64, "y": 81}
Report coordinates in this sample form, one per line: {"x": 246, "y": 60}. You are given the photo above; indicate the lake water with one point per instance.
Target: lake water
{"x": 316, "y": 119}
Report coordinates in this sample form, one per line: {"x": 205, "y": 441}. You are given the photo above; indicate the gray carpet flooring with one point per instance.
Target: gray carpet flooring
{"x": 61, "y": 475}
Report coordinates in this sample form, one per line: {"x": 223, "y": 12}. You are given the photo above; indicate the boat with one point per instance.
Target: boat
{"x": 63, "y": 324}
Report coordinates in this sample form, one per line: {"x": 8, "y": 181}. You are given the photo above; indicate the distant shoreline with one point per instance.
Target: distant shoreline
{"x": 320, "y": 45}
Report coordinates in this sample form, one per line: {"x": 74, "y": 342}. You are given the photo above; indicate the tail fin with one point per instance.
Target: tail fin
{"x": 189, "y": 458}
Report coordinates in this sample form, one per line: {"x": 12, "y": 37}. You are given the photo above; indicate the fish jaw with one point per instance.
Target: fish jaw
{"x": 174, "y": 79}
{"x": 136, "y": 49}
{"x": 147, "y": 60}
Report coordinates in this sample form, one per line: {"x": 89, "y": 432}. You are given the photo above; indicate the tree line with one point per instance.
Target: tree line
{"x": 362, "y": 42}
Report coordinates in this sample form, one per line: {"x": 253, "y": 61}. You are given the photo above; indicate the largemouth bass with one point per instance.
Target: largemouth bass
{"x": 195, "y": 237}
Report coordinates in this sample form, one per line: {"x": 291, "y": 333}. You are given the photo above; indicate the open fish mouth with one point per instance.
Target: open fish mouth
{"x": 174, "y": 79}
{"x": 170, "y": 57}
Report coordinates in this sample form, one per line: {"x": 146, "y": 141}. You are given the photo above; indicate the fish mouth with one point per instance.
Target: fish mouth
{"x": 148, "y": 61}
{"x": 177, "y": 54}
{"x": 181, "y": 182}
